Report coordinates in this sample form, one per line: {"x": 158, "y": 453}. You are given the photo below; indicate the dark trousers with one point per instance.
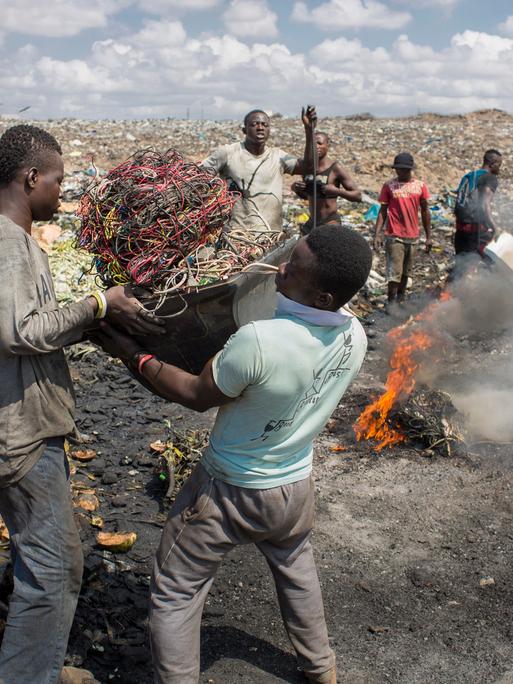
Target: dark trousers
{"x": 471, "y": 237}
{"x": 47, "y": 562}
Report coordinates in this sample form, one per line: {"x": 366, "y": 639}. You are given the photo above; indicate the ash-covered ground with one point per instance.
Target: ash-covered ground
{"x": 413, "y": 549}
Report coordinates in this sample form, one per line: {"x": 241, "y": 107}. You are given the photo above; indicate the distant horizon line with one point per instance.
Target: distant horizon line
{"x": 357, "y": 116}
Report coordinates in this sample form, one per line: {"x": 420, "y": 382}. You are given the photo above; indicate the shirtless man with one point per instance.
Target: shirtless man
{"x": 332, "y": 181}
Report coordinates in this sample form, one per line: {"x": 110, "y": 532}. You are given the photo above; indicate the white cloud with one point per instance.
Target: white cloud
{"x": 160, "y": 34}
{"x": 250, "y": 18}
{"x": 409, "y": 76}
{"x": 490, "y": 47}
{"x": 237, "y": 107}
{"x": 507, "y": 26}
{"x": 338, "y": 15}
{"x": 76, "y": 76}
{"x": 62, "y": 18}
{"x": 113, "y": 55}
{"x": 442, "y": 4}
{"x": 227, "y": 52}
{"x": 166, "y": 7}
{"x": 159, "y": 70}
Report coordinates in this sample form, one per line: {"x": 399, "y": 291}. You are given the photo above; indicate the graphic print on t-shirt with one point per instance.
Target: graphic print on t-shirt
{"x": 403, "y": 200}
{"x": 44, "y": 294}
{"x": 312, "y": 394}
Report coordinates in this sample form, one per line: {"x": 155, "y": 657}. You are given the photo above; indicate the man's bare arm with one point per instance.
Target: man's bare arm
{"x": 378, "y": 229}
{"x": 299, "y": 187}
{"x": 426, "y": 222}
{"x": 197, "y": 392}
{"x": 309, "y": 119}
{"x": 343, "y": 186}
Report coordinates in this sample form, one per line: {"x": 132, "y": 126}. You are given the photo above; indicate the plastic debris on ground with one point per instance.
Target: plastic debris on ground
{"x": 444, "y": 148}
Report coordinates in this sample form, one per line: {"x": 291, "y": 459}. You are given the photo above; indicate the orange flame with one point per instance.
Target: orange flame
{"x": 372, "y": 422}
{"x": 400, "y": 382}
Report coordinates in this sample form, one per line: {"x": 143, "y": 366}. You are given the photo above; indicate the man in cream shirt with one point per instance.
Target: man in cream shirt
{"x": 256, "y": 170}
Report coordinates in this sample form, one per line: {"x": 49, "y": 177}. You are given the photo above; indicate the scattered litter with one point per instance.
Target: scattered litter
{"x": 116, "y": 541}
{"x": 46, "y": 234}
{"x": 83, "y": 454}
{"x": 378, "y": 629}
{"x": 183, "y": 449}
{"x": 372, "y": 213}
{"x": 486, "y": 582}
{"x": 88, "y": 502}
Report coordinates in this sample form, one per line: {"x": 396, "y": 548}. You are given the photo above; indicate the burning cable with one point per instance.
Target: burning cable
{"x": 372, "y": 422}
{"x": 408, "y": 341}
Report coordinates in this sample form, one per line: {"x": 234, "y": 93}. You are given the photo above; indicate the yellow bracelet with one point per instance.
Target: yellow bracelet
{"x": 102, "y": 304}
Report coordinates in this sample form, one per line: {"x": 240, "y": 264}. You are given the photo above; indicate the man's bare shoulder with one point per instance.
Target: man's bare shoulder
{"x": 340, "y": 170}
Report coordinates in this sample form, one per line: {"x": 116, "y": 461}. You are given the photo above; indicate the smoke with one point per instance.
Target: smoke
{"x": 487, "y": 413}
{"x": 472, "y": 359}
{"x": 481, "y": 299}
{"x": 502, "y": 210}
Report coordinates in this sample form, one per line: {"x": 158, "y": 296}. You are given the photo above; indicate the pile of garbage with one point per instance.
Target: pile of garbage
{"x": 429, "y": 418}
{"x": 444, "y": 147}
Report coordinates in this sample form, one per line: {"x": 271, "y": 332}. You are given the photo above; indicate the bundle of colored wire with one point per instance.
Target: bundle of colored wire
{"x": 146, "y": 217}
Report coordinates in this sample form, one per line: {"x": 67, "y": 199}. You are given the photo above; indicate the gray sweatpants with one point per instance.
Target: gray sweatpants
{"x": 209, "y": 518}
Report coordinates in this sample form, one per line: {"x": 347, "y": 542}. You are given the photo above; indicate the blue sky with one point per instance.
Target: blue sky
{"x": 155, "y": 58}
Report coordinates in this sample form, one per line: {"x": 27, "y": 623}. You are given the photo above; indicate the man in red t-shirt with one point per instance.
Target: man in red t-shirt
{"x": 400, "y": 200}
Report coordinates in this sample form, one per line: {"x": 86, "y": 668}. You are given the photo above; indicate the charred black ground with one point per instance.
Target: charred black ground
{"x": 414, "y": 550}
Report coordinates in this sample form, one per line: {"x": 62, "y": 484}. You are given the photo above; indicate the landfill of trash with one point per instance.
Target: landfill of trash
{"x": 118, "y": 504}
{"x": 444, "y": 148}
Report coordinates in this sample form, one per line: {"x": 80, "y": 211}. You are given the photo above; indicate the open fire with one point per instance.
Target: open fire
{"x": 408, "y": 341}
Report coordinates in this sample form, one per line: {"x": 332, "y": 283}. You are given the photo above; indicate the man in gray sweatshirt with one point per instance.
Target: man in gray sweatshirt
{"x": 37, "y": 408}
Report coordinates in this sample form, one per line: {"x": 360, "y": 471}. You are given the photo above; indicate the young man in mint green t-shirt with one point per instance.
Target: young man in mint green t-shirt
{"x": 276, "y": 383}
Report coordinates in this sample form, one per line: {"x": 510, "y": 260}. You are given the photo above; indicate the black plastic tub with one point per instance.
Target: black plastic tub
{"x": 212, "y": 313}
